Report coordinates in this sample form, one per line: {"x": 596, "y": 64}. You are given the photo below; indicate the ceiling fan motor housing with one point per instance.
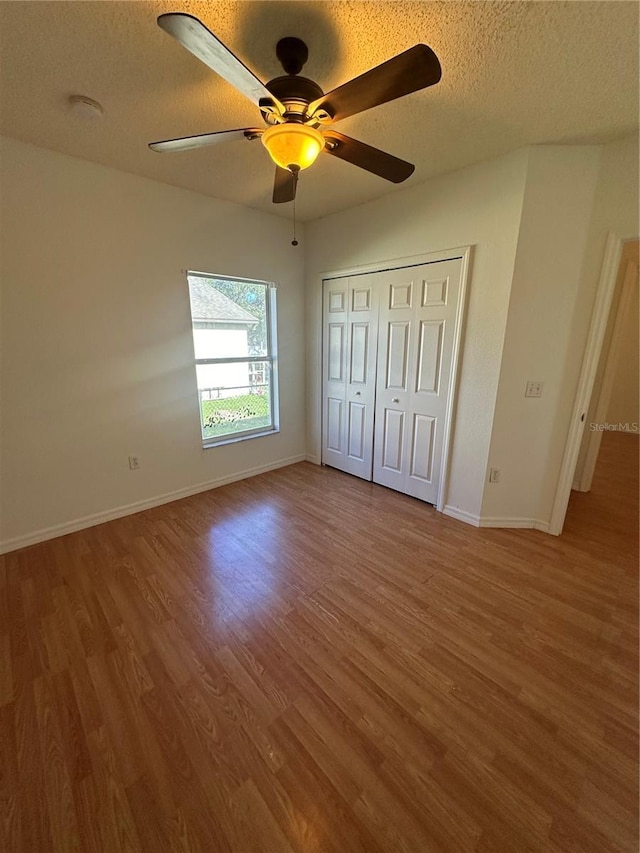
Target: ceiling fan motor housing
{"x": 296, "y": 93}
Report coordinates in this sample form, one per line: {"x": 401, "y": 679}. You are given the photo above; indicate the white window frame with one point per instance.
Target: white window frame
{"x": 271, "y": 358}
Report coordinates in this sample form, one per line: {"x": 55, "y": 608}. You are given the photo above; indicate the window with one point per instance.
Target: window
{"x": 234, "y": 340}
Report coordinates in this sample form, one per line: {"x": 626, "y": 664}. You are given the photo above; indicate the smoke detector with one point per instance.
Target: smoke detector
{"x": 85, "y": 108}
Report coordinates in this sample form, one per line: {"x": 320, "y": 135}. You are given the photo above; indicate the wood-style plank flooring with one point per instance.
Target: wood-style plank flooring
{"x": 307, "y": 662}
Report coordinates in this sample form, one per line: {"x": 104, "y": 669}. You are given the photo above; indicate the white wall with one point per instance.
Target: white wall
{"x": 97, "y": 351}
{"x": 528, "y": 437}
{"x": 479, "y": 205}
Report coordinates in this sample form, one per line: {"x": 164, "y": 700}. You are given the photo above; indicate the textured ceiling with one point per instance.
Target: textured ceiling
{"x": 514, "y": 73}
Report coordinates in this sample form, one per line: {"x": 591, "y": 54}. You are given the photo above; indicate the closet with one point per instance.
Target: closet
{"x": 389, "y": 341}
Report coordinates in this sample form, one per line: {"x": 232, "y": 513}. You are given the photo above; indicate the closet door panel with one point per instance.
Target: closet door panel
{"x": 335, "y": 335}
{"x": 359, "y": 356}
{"x": 396, "y": 294}
{"x": 350, "y": 344}
{"x": 430, "y": 338}
{"x": 335, "y": 424}
{"x": 417, "y": 313}
{"x": 393, "y": 440}
{"x": 356, "y": 433}
{"x": 397, "y": 355}
{"x": 433, "y": 332}
{"x": 422, "y": 446}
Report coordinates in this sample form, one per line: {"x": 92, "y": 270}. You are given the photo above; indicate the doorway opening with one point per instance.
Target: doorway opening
{"x": 606, "y": 419}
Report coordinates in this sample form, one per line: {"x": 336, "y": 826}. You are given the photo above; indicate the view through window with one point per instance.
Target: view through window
{"x": 234, "y": 344}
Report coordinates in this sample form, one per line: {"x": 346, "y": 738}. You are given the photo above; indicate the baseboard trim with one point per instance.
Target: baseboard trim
{"x": 489, "y": 521}
{"x": 46, "y": 533}
{"x": 313, "y": 459}
{"x": 461, "y": 515}
{"x": 523, "y": 523}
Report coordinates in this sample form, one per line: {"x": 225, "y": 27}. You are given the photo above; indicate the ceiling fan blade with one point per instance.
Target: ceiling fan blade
{"x": 184, "y": 143}
{"x": 201, "y": 42}
{"x": 408, "y": 72}
{"x": 372, "y": 159}
{"x": 284, "y": 186}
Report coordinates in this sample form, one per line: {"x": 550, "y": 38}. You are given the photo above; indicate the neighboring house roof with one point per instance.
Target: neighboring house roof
{"x": 209, "y": 305}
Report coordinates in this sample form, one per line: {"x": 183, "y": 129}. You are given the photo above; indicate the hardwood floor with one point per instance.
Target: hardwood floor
{"x": 308, "y": 662}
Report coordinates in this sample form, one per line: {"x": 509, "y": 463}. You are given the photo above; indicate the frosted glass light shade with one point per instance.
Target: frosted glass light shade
{"x": 291, "y": 144}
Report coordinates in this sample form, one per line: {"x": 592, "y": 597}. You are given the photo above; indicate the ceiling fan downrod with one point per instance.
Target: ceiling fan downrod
{"x": 292, "y": 54}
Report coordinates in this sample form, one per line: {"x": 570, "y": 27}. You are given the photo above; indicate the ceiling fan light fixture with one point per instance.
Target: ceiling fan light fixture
{"x": 293, "y": 146}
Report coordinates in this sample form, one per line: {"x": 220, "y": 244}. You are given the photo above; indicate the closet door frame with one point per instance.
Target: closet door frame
{"x": 464, "y": 253}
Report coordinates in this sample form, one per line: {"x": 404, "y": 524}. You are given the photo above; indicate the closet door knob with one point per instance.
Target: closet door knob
{"x": 357, "y": 393}
{"x": 395, "y": 400}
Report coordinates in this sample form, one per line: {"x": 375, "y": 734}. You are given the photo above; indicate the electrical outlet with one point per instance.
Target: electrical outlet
{"x": 134, "y": 463}
{"x": 494, "y": 475}
{"x": 533, "y": 389}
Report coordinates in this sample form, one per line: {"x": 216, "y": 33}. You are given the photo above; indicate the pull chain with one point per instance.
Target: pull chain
{"x": 294, "y": 174}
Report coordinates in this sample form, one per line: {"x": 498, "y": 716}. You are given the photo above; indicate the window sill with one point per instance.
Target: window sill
{"x": 234, "y": 439}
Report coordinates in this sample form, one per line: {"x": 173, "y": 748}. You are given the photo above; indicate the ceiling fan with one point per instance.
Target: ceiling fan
{"x": 295, "y": 110}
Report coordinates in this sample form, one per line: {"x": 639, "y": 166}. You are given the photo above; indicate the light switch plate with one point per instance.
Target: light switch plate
{"x": 533, "y": 389}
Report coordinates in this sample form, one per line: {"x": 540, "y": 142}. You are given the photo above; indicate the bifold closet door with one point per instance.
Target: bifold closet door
{"x": 418, "y": 307}
{"x": 349, "y": 370}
